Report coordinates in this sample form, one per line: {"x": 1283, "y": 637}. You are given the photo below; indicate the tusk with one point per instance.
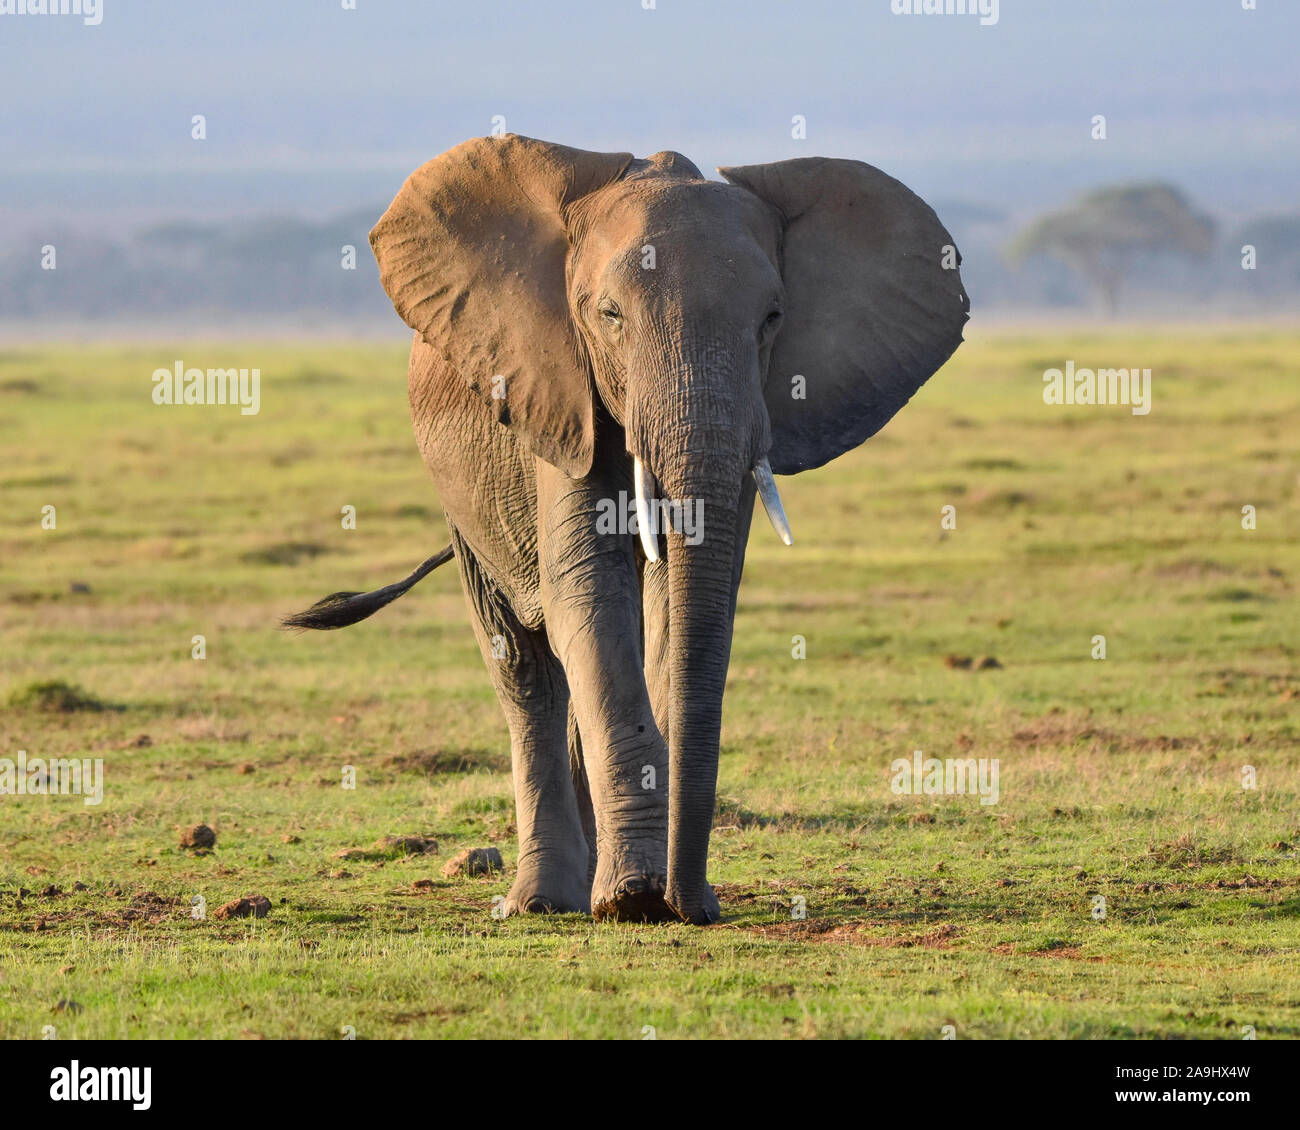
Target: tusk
{"x": 772, "y": 500}
{"x": 644, "y": 492}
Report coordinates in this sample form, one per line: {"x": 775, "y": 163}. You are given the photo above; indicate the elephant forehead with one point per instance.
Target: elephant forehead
{"x": 663, "y": 200}
{"x": 696, "y": 220}
{"x": 664, "y": 164}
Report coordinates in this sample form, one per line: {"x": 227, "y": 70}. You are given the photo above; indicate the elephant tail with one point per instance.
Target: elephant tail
{"x": 340, "y": 609}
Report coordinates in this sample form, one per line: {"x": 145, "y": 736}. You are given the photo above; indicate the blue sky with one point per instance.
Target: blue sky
{"x": 312, "y": 108}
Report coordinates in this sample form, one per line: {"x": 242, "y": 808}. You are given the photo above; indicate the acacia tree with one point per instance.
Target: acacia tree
{"x": 1103, "y": 232}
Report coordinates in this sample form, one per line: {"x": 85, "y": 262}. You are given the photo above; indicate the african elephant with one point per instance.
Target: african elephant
{"x": 594, "y": 330}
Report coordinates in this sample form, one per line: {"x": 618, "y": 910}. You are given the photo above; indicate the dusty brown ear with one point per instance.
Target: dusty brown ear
{"x": 874, "y": 303}
{"x": 472, "y": 253}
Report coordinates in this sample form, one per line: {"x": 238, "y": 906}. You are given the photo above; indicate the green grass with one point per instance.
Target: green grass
{"x": 1120, "y": 778}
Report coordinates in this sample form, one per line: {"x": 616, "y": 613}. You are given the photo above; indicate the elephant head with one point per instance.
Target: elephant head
{"x": 763, "y": 325}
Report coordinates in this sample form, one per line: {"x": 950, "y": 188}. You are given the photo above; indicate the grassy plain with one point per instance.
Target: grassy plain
{"x": 1120, "y": 778}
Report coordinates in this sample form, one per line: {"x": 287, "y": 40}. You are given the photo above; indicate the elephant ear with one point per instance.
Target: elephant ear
{"x": 472, "y": 253}
{"x": 874, "y": 303}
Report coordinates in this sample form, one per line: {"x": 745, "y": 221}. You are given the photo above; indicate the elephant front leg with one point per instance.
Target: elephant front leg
{"x": 591, "y": 603}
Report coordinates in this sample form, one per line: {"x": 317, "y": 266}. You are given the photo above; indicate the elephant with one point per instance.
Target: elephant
{"x": 605, "y": 349}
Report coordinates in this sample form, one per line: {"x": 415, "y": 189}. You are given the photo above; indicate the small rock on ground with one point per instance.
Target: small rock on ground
{"x": 250, "y": 906}
{"x": 474, "y": 861}
{"x": 200, "y": 836}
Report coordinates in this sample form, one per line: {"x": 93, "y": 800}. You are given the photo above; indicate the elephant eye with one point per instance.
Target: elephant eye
{"x": 771, "y": 321}
{"x": 610, "y": 313}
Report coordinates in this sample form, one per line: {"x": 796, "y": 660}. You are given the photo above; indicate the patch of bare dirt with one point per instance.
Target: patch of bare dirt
{"x": 853, "y": 932}
{"x": 1186, "y": 852}
{"x": 966, "y": 663}
{"x": 437, "y": 762}
{"x": 151, "y": 907}
{"x": 145, "y": 908}
{"x": 1194, "y": 568}
{"x": 1064, "y": 952}
{"x": 390, "y": 847}
{"x": 1053, "y": 733}
{"x": 1248, "y": 882}
{"x": 211, "y": 729}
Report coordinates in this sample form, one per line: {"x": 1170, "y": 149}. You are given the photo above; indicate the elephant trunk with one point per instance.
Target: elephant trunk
{"x": 697, "y": 428}
{"x": 700, "y": 603}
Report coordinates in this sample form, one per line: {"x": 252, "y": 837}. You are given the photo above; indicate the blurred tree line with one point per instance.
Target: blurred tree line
{"x": 1135, "y": 248}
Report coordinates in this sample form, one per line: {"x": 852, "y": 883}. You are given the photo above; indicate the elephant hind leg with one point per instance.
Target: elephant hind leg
{"x": 552, "y": 871}
{"x": 582, "y": 790}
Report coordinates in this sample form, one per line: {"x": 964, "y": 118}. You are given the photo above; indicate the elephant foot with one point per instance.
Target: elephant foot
{"x": 535, "y": 892}
{"x": 636, "y": 899}
{"x": 699, "y": 910}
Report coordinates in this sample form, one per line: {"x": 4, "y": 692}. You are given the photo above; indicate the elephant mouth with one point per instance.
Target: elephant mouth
{"x": 651, "y": 508}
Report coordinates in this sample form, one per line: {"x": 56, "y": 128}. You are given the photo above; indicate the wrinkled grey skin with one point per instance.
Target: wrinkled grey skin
{"x": 609, "y": 668}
